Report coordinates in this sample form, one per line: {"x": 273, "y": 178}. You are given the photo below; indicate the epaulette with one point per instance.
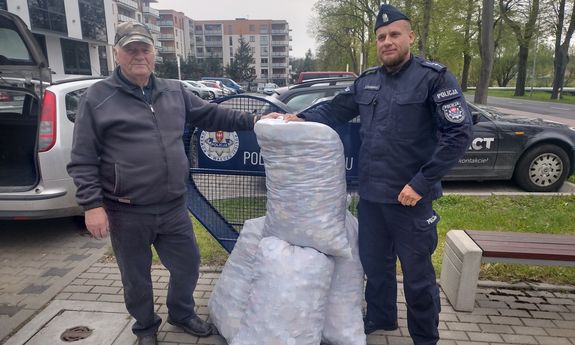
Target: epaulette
{"x": 369, "y": 71}
{"x": 433, "y": 65}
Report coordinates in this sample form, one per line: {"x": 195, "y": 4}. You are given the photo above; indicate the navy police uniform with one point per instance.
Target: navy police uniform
{"x": 415, "y": 125}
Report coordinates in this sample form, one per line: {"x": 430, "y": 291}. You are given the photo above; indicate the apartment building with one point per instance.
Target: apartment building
{"x": 174, "y": 28}
{"x": 75, "y": 34}
{"x": 269, "y": 42}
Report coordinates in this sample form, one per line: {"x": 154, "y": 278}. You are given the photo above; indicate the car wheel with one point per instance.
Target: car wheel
{"x": 543, "y": 168}
{"x": 211, "y": 95}
{"x": 195, "y": 93}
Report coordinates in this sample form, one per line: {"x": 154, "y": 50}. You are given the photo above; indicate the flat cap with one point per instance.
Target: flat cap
{"x": 128, "y": 32}
{"x": 387, "y": 15}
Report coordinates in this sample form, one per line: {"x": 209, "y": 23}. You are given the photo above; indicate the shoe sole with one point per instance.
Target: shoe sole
{"x": 200, "y": 335}
{"x": 388, "y": 329}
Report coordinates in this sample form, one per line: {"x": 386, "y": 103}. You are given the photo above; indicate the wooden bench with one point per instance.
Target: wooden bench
{"x": 465, "y": 250}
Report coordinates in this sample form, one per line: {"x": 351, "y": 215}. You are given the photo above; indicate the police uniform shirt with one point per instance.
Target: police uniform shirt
{"x": 415, "y": 125}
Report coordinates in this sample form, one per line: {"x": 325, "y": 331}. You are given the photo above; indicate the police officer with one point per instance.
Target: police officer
{"x": 415, "y": 125}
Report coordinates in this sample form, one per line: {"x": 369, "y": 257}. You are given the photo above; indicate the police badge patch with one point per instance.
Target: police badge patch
{"x": 453, "y": 112}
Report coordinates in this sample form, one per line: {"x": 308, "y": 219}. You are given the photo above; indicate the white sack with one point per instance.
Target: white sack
{"x": 288, "y": 298}
{"x": 306, "y": 189}
{"x": 229, "y": 298}
{"x": 344, "y": 319}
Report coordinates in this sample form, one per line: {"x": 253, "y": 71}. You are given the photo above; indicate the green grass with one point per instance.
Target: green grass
{"x": 566, "y": 98}
{"x": 552, "y": 215}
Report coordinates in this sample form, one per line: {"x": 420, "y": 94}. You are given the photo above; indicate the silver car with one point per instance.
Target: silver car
{"x": 36, "y": 125}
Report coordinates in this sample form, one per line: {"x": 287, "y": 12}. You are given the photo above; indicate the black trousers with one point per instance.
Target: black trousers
{"x": 389, "y": 231}
{"x": 172, "y": 236}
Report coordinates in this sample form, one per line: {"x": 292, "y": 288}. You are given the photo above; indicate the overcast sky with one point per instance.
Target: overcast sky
{"x": 297, "y": 13}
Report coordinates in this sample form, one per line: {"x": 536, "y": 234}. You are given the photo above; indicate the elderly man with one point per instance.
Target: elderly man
{"x": 415, "y": 125}
{"x": 130, "y": 167}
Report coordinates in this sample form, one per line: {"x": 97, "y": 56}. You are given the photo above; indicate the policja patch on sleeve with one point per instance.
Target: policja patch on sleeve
{"x": 453, "y": 112}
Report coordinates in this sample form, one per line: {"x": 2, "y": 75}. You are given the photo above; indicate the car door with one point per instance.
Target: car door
{"x": 481, "y": 155}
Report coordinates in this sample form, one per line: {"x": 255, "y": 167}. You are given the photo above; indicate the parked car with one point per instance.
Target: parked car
{"x": 269, "y": 88}
{"x": 196, "y": 90}
{"x": 218, "y": 85}
{"x": 227, "y": 83}
{"x": 213, "y": 88}
{"x": 36, "y": 125}
{"x": 536, "y": 154}
{"x": 304, "y": 76}
{"x": 211, "y": 93}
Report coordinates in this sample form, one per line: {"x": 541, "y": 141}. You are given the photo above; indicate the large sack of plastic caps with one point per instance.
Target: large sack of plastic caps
{"x": 344, "y": 320}
{"x": 305, "y": 180}
{"x": 289, "y": 296}
{"x": 229, "y": 298}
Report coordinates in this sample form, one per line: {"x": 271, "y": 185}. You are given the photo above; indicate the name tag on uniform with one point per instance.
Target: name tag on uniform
{"x": 371, "y": 87}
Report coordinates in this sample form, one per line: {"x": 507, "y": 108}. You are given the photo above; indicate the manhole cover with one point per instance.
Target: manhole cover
{"x": 75, "y": 334}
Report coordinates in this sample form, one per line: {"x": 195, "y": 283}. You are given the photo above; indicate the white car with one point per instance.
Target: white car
{"x": 36, "y": 126}
{"x": 269, "y": 88}
{"x": 218, "y": 92}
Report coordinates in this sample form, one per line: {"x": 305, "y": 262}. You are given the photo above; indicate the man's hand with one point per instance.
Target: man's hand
{"x": 286, "y": 117}
{"x": 408, "y": 197}
{"x": 97, "y": 222}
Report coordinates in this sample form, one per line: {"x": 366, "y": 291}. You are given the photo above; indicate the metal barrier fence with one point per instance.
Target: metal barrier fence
{"x": 227, "y": 180}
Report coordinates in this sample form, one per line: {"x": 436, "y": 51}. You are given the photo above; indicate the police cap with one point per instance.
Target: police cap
{"x": 387, "y": 15}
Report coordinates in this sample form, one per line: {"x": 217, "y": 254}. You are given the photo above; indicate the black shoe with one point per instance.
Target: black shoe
{"x": 370, "y": 326}
{"x": 195, "y": 326}
{"x": 148, "y": 340}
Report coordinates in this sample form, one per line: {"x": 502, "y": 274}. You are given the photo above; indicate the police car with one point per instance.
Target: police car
{"x": 537, "y": 155}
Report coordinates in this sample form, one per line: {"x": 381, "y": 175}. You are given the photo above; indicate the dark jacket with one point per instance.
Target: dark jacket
{"x": 131, "y": 152}
{"x": 415, "y": 125}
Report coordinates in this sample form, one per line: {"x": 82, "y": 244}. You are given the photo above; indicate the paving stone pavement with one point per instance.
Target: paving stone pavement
{"x": 504, "y": 313}
{"x": 37, "y": 260}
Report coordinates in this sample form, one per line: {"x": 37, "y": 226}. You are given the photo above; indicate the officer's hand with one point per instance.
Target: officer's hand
{"x": 408, "y": 196}
{"x": 97, "y": 222}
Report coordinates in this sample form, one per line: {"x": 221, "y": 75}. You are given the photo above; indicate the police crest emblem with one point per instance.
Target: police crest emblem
{"x": 453, "y": 112}
{"x": 384, "y": 17}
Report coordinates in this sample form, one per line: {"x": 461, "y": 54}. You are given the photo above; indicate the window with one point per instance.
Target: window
{"x": 76, "y": 56}
{"x": 252, "y": 38}
{"x": 72, "y": 101}
{"x": 3, "y": 5}
{"x": 231, "y": 41}
{"x": 41, "y": 39}
{"x": 93, "y": 19}
{"x": 252, "y": 28}
{"x": 264, "y": 29}
{"x": 264, "y": 60}
{"x": 264, "y": 40}
{"x": 103, "y": 57}
{"x": 48, "y": 15}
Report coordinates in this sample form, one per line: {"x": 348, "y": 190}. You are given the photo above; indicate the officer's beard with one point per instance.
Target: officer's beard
{"x": 394, "y": 63}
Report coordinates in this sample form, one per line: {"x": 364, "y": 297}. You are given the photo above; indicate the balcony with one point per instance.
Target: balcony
{"x": 217, "y": 32}
{"x": 151, "y": 11}
{"x": 279, "y": 65}
{"x": 123, "y": 18}
{"x": 153, "y": 27}
{"x": 200, "y": 55}
{"x": 214, "y": 43}
{"x": 264, "y": 64}
{"x": 280, "y": 43}
{"x": 279, "y": 54}
{"x": 279, "y": 31}
{"x": 167, "y": 49}
{"x": 131, "y": 4}
{"x": 200, "y": 43}
{"x": 169, "y": 23}
{"x": 166, "y": 37}
{"x": 215, "y": 55}
{"x": 279, "y": 76}
{"x": 264, "y": 54}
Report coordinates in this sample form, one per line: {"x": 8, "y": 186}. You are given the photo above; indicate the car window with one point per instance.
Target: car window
{"x": 72, "y": 102}
{"x": 13, "y": 49}
{"x": 13, "y": 103}
{"x": 302, "y": 101}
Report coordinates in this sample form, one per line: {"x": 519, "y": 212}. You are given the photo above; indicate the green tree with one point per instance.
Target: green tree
{"x": 515, "y": 13}
{"x": 561, "y": 47}
{"x": 167, "y": 69}
{"x": 486, "y": 50}
{"x": 241, "y": 68}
